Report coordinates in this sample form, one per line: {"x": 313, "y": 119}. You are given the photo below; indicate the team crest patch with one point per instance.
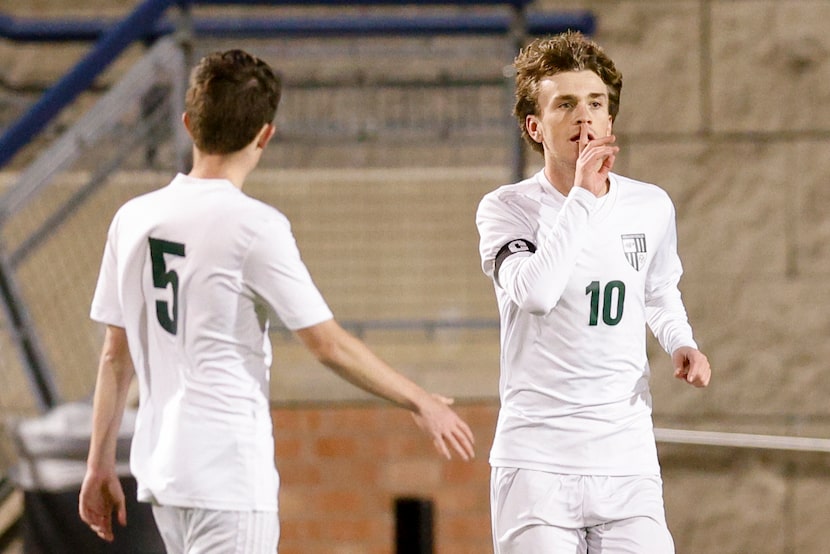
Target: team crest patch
{"x": 634, "y": 248}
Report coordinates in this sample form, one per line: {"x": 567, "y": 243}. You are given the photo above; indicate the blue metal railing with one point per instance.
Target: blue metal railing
{"x": 85, "y": 30}
{"x": 147, "y": 23}
{"x": 349, "y": 3}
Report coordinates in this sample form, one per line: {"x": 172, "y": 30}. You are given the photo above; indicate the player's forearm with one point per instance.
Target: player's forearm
{"x": 665, "y": 311}
{"x": 667, "y": 319}
{"x": 536, "y": 282}
{"x": 115, "y": 372}
{"x": 352, "y": 360}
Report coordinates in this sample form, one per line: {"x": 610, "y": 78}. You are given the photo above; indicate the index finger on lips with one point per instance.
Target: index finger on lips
{"x": 583, "y": 137}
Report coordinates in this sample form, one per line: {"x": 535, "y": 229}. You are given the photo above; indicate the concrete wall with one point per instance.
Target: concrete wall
{"x": 725, "y": 105}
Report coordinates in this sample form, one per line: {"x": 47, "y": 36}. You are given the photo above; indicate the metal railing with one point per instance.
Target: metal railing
{"x": 742, "y": 440}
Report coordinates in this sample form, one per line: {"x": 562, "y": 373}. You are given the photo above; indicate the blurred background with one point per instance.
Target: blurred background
{"x": 395, "y": 121}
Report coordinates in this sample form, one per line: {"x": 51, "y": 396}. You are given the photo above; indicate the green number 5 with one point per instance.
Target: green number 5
{"x": 168, "y": 318}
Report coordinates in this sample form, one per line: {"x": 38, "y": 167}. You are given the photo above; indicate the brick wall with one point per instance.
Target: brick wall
{"x": 343, "y": 466}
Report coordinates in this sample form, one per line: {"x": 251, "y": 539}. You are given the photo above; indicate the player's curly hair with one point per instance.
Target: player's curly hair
{"x": 232, "y": 94}
{"x": 543, "y": 57}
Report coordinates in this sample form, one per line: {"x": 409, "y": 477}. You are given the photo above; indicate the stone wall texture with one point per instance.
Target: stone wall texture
{"x": 726, "y": 105}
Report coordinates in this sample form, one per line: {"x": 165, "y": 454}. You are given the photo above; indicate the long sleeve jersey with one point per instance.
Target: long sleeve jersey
{"x": 577, "y": 280}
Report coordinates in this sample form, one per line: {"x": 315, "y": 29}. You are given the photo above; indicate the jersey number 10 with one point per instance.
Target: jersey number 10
{"x": 168, "y": 317}
{"x": 611, "y": 311}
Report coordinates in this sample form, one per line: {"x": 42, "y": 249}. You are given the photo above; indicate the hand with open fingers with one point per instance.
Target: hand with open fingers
{"x": 101, "y": 497}
{"x": 447, "y": 430}
{"x": 692, "y": 366}
{"x": 595, "y": 161}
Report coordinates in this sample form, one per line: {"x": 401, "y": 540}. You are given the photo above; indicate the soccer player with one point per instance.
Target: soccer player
{"x": 582, "y": 259}
{"x": 191, "y": 277}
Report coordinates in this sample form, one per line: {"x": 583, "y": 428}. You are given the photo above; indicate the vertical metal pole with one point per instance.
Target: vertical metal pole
{"x": 185, "y": 39}
{"x": 518, "y": 34}
{"x": 24, "y": 337}
{"x": 413, "y": 526}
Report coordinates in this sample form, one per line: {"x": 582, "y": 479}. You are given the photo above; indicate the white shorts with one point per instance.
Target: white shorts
{"x": 199, "y": 531}
{"x": 535, "y": 512}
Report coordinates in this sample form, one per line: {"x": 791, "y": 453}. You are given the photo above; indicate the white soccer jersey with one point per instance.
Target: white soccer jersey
{"x": 577, "y": 279}
{"x": 194, "y": 272}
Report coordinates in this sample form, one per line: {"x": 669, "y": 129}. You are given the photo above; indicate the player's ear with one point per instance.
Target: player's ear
{"x": 265, "y": 135}
{"x": 533, "y": 127}
{"x": 186, "y": 123}
{"x": 610, "y": 126}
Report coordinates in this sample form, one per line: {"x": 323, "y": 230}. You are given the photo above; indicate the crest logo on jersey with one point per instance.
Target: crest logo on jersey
{"x": 634, "y": 248}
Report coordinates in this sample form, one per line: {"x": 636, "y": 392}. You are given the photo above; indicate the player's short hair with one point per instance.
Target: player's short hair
{"x": 546, "y": 56}
{"x": 231, "y": 95}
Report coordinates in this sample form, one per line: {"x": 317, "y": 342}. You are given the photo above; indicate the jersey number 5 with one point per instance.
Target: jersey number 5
{"x": 168, "y": 318}
{"x": 611, "y": 289}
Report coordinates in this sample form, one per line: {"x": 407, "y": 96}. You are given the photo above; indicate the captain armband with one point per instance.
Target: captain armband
{"x": 517, "y": 246}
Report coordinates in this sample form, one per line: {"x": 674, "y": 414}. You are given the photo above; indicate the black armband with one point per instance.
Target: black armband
{"x": 513, "y": 247}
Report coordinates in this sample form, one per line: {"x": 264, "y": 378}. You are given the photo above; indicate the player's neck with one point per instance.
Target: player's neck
{"x": 233, "y": 168}
{"x": 562, "y": 178}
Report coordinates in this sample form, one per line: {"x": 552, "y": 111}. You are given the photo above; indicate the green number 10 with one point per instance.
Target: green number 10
{"x": 612, "y": 289}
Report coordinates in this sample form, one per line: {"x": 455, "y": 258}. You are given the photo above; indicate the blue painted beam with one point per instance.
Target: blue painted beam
{"x": 516, "y": 3}
{"x": 551, "y": 23}
{"x": 385, "y": 25}
{"x": 22, "y": 30}
{"x": 43, "y": 30}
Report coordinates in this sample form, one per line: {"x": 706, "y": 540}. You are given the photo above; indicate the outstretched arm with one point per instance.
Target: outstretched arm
{"x": 101, "y": 493}
{"x": 351, "y": 359}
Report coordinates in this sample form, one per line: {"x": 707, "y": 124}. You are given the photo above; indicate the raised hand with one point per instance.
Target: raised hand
{"x": 596, "y": 158}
